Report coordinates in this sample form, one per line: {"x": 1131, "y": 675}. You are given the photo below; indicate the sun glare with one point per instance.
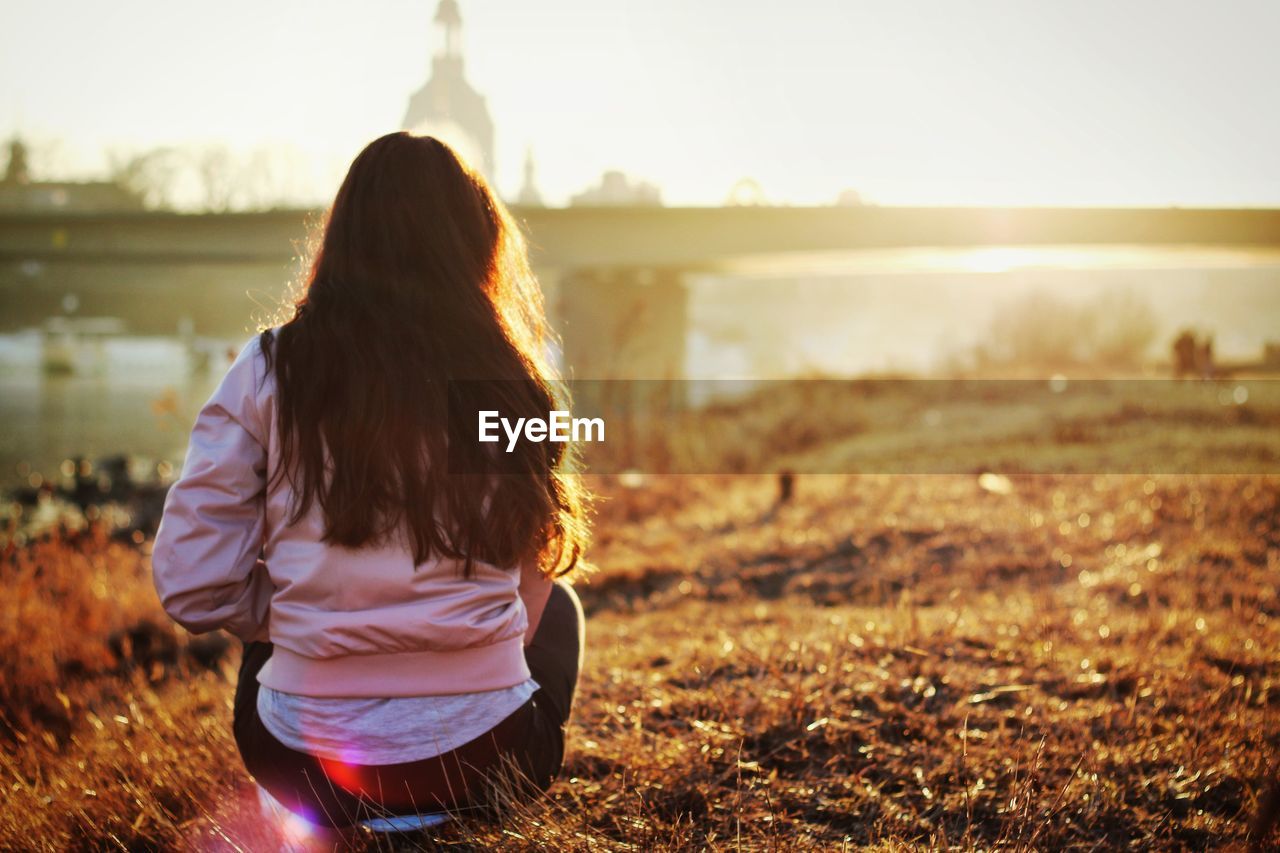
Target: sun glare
{"x": 1000, "y": 259}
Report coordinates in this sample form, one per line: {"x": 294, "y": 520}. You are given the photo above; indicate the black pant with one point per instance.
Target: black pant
{"x": 522, "y": 754}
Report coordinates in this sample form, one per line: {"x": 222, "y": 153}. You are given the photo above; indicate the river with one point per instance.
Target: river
{"x": 898, "y": 311}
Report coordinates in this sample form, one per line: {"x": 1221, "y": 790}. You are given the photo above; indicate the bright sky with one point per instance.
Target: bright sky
{"x": 1142, "y": 102}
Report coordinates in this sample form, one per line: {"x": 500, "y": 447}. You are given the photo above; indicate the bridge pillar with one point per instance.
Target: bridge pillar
{"x": 623, "y": 322}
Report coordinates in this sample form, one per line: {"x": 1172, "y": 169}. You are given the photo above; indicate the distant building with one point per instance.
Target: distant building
{"x": 19, "y": 193}
{"x": 446, "y": 106}
{"x": 850, "y": 198}
{"x": 529, "y": 194}
{"x": 617, "y": 190}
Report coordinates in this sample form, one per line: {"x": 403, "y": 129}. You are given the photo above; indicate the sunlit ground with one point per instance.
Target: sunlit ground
{"x": 1042, "y": 661}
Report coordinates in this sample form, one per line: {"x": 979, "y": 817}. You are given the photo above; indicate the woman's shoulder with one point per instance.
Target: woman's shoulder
{"x": 263, "y": 344}
{"x": 247, "y": 389}
{"x": 257, "y": 355}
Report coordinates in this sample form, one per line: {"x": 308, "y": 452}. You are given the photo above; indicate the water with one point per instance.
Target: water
{"x": 837, "y": 314}
{"x": 142, "y": 402}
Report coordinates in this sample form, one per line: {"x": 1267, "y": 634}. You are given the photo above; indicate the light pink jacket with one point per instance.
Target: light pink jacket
{"x": 344, "y": 622}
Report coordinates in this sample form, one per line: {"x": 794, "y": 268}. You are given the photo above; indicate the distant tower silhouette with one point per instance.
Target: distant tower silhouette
{"x": 529, "y": 195}
{"x": 17, "y": 172}
{"x": 446, "y": 106}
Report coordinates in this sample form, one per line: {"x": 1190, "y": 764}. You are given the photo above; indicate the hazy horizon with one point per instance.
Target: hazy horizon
{"x": 1127, "y": 104}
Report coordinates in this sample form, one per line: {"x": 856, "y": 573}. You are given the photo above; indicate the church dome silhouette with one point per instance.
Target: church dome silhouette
{"x": 447, "y": 106}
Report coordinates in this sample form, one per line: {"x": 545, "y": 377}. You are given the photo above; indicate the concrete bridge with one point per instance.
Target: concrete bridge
{"x": 614, "y": 276}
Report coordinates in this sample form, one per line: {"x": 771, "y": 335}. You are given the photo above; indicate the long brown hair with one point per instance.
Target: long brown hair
{"x": 420, "y": 309}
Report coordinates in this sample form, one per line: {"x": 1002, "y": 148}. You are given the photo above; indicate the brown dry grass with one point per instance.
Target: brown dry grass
{"x": 883, "y": 661}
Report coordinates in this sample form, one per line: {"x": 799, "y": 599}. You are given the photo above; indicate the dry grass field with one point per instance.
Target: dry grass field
{"x": 884, "y": 661}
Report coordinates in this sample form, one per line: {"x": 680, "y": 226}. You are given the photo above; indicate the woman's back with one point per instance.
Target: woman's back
{"x": 362, "y": 621}
{"x": 388, "y": 603}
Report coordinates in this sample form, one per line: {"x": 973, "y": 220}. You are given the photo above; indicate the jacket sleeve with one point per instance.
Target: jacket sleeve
{"x": 205, "y": 560}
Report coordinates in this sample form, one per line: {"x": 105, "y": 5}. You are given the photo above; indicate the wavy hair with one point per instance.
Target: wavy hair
{"x": 420, "y": 309}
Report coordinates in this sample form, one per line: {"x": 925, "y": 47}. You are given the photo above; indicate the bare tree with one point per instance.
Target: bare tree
{"x": 1124, "y": 326}
{"x": 1116, "y": 329}
{"x": 270, "y": 178}
{"x": 217, "y": 176}
{"x": 260, "y": 179}
{"x": 151, "y": 175}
